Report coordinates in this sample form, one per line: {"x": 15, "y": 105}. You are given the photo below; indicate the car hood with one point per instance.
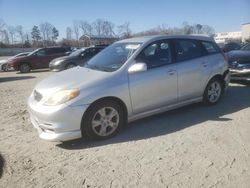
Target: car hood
{"x": 236, "y": 55}
{"x": 3, "y": 61}
{"x": 78, "y": 77}
{"x": 18, "y": 58}
{"x": 64, "y": 58}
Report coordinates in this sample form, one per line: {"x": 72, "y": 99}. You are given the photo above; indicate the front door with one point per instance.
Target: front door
{"x": 157, "y": 86}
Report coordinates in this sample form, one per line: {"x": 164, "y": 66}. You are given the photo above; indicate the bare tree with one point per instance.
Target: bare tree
{"x": 68, "y": 33}
{"x": 12, "y": 32}
{"x": 97, "y": 25}
{"x": 46, "y": 31}
{"x": 2, "y": 25}
{"x": 124, "y": 30}
{"x": 86, "y": 28}
{"x": 108, "y": 28}
{"x": 103, "y": 27}
{"x": 76, "y": 29}
{"x": 206, "y": 29}
{"x": 5, "y": 36}
{"x": 19, "y": 31}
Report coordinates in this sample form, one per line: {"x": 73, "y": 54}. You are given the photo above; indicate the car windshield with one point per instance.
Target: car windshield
{"x": 77, "y": 52}
{"x": 112, "y": 57}
{"x": 245, "y": 47}
{"x": 32, "y": 53}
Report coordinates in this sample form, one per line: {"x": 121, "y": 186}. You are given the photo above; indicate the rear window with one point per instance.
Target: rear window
{"x": 187, "y": 49}
{"x": 210, "y": 47}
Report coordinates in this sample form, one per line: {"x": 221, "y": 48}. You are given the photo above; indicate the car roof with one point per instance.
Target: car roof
{"x": 159, "y": 37}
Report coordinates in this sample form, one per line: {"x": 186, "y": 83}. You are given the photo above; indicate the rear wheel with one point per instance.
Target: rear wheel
{"x": 103, "y": 120}
{"x": 24, "y": 68}
{"x": 213, "y": 91}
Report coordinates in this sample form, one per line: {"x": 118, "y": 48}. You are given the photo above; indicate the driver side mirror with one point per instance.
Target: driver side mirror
{"x": 137, "y": 67}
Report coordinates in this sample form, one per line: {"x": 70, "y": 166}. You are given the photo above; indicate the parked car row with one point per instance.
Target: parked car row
{"x": 55, "y": 58}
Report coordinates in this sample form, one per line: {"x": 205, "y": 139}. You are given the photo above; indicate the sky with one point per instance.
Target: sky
{"x": 222, "y": 15}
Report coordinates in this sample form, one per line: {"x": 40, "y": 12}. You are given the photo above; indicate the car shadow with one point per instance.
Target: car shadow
{"x": 35, "y": 71}
{"x": 15, "y": 78}
{"x": 236, "y": 99}
{"x": 2, "y": 163}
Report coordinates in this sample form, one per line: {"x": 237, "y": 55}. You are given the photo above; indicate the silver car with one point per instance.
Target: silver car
{"x": 130, "y": 79}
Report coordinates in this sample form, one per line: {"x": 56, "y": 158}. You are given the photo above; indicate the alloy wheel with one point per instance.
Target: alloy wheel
{"x": 105, "y": 121}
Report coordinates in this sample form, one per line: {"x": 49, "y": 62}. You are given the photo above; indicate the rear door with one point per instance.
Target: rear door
{"x": 193, "y": 69}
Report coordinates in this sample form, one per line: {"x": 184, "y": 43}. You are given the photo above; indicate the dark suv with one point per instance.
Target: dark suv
{"x": 78, "y": 57}
{"x": 38, "y": 59}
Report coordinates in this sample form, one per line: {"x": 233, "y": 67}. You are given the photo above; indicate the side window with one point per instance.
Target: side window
{"x": 87, "y": 53}
{"x": 52, "y": 51}
{"x": 246, "y": 47}
{"x": 41, "y": 52}
{"x": 210, "y": 48}
{"x": 156, "y": 54}
{"x": 187, "y": 49}
{"x": 59, "y": 50}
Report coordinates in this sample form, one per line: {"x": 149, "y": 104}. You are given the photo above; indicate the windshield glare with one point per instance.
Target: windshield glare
{"x": 31, "y": 53}
{"x": 246, "y": 47}
{"x": 112, "y": 57}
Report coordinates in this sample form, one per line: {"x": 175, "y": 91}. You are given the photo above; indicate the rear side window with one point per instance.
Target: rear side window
{"x": 187, "y": 49}
{"x": 210, "y": 47}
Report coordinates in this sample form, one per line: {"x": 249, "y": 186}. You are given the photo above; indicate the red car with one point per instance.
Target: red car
{"x": 38, "y": 59}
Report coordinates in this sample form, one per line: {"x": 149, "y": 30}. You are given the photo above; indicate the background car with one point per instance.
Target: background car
{"x": 38, "y": 59}
{"x": 239, "y": 63}
{"x": 231, "y": 46}
{"x": 4, "y": 62}
{"x": 78, "y": 57}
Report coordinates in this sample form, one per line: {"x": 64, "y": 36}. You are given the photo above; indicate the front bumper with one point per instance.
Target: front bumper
{"x": 55, "y": 68}
{"x": 59, "y": 123}
{"x": 240, "y": 74}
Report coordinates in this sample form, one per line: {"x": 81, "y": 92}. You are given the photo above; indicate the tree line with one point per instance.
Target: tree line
{"x": 46, "y": 34}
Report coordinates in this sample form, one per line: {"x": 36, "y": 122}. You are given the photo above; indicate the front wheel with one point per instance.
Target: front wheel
{"x": 103, "y": 120}
{"x": 24, "y": 68}
{"x": 5, "y": 68}
{"x": 213, "y": 92}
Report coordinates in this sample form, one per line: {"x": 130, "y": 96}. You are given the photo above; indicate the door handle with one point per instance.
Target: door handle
{"x": 171, "y": 72}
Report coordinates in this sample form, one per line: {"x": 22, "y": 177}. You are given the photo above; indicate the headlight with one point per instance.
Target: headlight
{"x": 61, "y": 97}
{"x": 58, "y": 62}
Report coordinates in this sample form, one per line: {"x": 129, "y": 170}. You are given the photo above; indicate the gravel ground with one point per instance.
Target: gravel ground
{"x": 195, "y": 146}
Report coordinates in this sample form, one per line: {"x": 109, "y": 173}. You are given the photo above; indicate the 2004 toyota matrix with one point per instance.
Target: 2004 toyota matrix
{"x": 131, "y": 79}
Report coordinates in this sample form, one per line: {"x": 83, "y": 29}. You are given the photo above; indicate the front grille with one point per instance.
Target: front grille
{"x": 37, "y": 96}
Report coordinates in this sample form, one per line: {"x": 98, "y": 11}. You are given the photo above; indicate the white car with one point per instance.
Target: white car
{"x": 4, "y": 62}
{"x": 128, "y": 80}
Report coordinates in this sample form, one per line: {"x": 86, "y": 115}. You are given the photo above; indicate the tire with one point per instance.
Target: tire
{"x": 213, "y": 91}
{"x": 70, "y": 65}
{"x": 24, "y": 68}
{"x": 97, "y": 125}
{"x": 5, "y": 68}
